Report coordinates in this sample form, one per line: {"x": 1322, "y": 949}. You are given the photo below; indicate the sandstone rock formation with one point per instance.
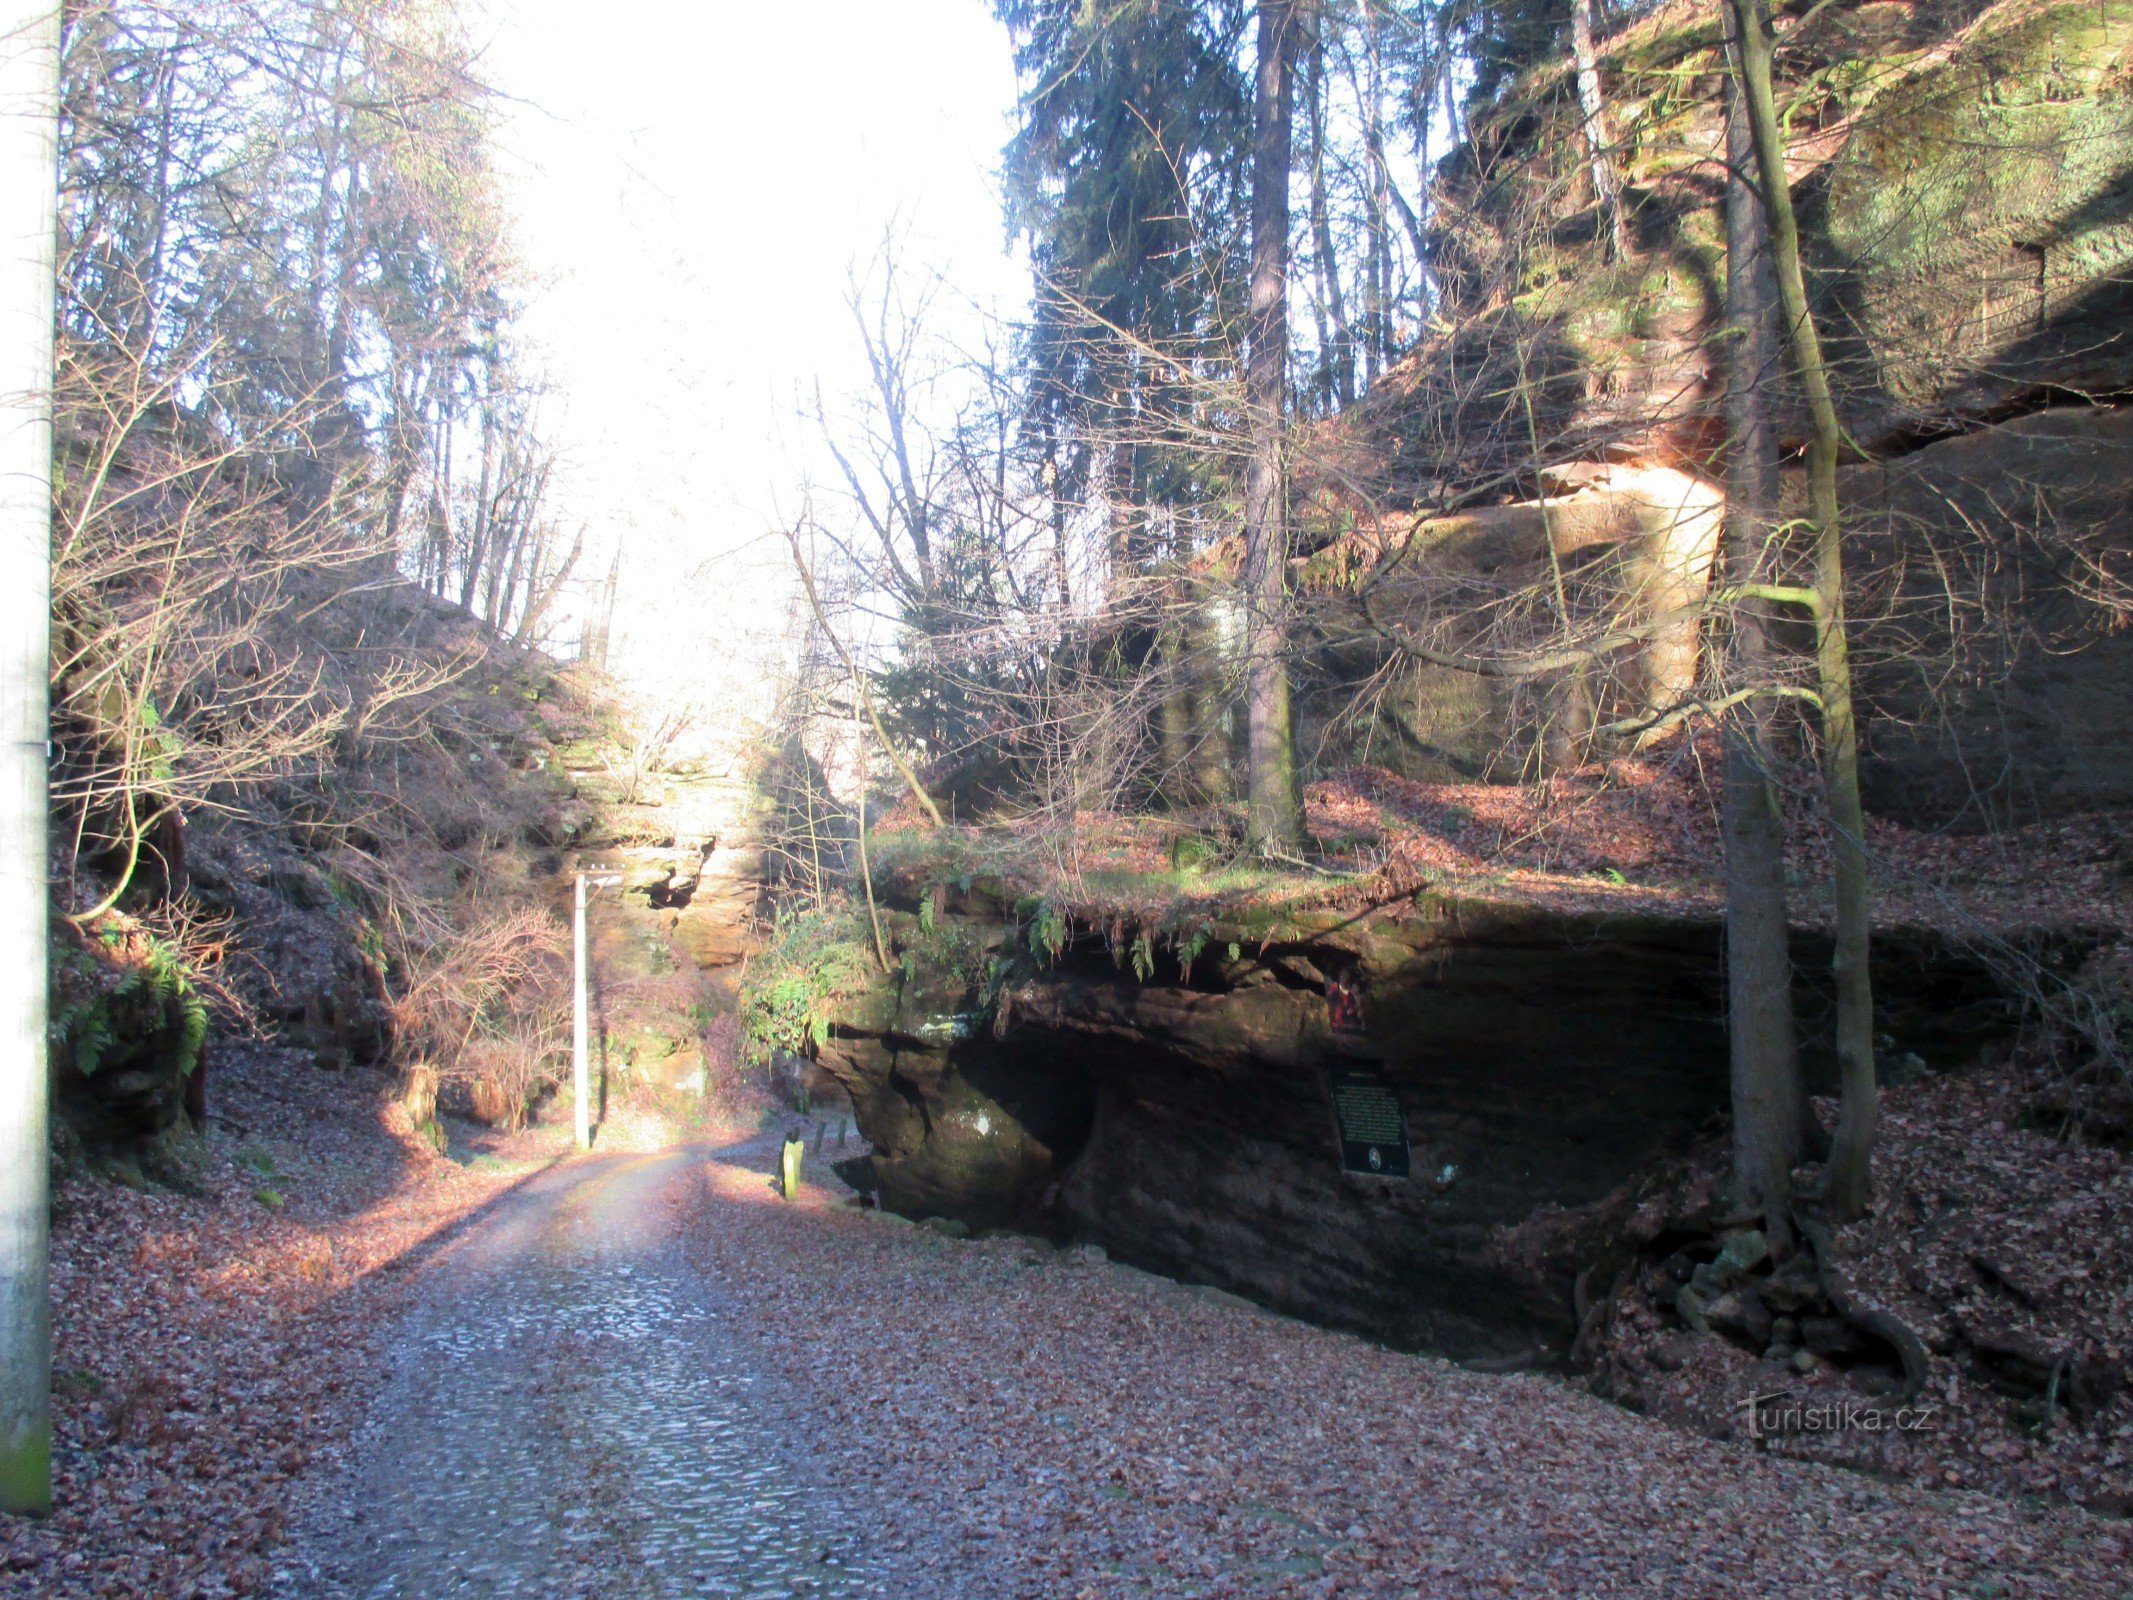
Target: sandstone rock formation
{"x": 1542, "y": 1059}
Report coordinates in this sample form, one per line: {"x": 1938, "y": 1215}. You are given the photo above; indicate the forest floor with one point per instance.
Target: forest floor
{"x": 644, "y": 1375}
{"x": 1025, "y": 1421}
{"x": 1995, "y": 1238}
{"x": 1635, "y": 834}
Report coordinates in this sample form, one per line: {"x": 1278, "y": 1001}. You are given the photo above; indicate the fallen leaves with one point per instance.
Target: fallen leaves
{"x": 2007, "y": 1250}
{"x": 208, "y": 1349}
{"x": 1037, "y": 1424}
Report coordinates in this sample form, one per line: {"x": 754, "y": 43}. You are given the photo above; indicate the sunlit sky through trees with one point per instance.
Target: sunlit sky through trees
{"x": 693, "y": 182}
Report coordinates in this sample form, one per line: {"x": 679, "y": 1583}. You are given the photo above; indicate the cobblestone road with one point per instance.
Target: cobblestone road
{"x": 573, "y": 1413}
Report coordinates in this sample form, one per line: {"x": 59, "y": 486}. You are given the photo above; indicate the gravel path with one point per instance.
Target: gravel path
{"x": 569, "y": 1415}
{"x": 646, "y": 1376}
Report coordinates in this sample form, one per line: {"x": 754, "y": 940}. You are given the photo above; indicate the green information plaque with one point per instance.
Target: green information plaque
{"x": 1373, "y": 1128}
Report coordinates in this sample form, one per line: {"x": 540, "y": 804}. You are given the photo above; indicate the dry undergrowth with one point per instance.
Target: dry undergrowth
{"x": 1635, "y": 834}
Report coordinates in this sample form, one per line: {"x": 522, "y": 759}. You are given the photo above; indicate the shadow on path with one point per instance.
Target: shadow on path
{"x": 570, "y": 1414}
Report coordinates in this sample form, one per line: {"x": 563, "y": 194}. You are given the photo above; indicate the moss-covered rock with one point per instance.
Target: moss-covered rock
{"x": 1975, "y": 229}
{"x": 128, "y": 1030}
{"x": 1962, "y": 177}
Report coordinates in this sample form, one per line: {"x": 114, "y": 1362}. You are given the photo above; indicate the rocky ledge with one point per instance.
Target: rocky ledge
{"x": 1171, "y": 1095}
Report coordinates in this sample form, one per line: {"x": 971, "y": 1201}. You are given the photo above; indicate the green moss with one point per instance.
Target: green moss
{"x": 1956, "y": 182}
{"x": 254, "y": 1160}
{"x": 815, "y": 959}
{"x": 96, "y": 1017}
{"x": 26, "y": 1469}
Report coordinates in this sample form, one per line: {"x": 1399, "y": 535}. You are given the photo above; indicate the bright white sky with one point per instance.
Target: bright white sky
{"x": 693, "y": 182}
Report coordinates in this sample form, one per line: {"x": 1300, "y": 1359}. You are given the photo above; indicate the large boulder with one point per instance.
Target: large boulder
{"x": 1973, "y": 230}
{"x": 1988, "y": 579}
{"x": 964, "y": 1124}
{"x": 1633, "y": 545}
{"x": 1960, "y": 173}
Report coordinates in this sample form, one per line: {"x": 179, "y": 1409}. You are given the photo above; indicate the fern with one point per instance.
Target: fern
{"x": 1143, "y": 955}
{"x": 1189, "y": 952}
{"x": 787, "y": 1000}
{"x": 1047, "y": 932}
{"x": 85, "y": 1028}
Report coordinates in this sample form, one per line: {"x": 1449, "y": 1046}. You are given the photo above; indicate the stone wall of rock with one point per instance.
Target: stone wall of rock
{"x": 1989, "y": 576}
{"x": 1961, "y": 177}
{"x": 1993, "y": 572}
{"x": 669, "y": 940}
{"x": 1960, "y": 173}
{"x": 1542, "y": 1060}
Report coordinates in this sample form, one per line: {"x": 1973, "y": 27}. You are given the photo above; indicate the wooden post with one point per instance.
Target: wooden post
{"x": 580, "y": 1024}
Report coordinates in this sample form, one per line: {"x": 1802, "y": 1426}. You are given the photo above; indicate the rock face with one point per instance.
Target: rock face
{"x": 2021, "y": 703}
{"x": 1541, "y": 1060}
{"x": 1987, "y": 576}
{"x": 967, "y": 1119}
{"x": 1975, "y": 221}
{"x": 1640, "y": 542}
{"x": 667, "y": 942}
{"x": 128, "y": 1035}
{"x": 1961, "y": 178}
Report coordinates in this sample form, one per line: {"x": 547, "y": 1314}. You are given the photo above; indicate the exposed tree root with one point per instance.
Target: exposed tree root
{"x": 1882, "y": 1325}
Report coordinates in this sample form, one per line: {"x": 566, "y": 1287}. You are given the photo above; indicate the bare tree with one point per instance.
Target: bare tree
{"x": 1599, "y": 154}
{"x": 1770, "y": 1115}
{"x": 1849, "y": 1172}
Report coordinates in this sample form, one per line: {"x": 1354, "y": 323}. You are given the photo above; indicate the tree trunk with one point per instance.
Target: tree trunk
{"x": 1377, "y": 311}
{"x": 1337, "y": 353}
{"x": 29, "y": 87}
{"x": 1606, "y": 187}
{"x": 1174, "y": 720}
{"x": 1769, "y": 1110}
{"x": 1122, "y": 504}
{"x": 1057, "y": 502}
{"x": 859, "y": 686}
{"x": 541, "y": 596}
{"x": 437, "y": 528}
{"x": 1274, "y": 819}
{"x": 478, "y": 537}
{"x": 598, "y": 638}
{"x": 1214, "y": 776}
{"x": 1848, "y": 1176}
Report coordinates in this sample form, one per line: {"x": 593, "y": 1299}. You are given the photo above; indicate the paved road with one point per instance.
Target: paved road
{"x": 573, "y": 1413}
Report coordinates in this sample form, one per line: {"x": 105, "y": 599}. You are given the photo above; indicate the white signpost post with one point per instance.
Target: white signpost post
{"x": 580, "y": 1017}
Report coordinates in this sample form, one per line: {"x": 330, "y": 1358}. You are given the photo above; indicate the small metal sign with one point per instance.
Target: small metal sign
{"x": 1373, "y": 1128}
